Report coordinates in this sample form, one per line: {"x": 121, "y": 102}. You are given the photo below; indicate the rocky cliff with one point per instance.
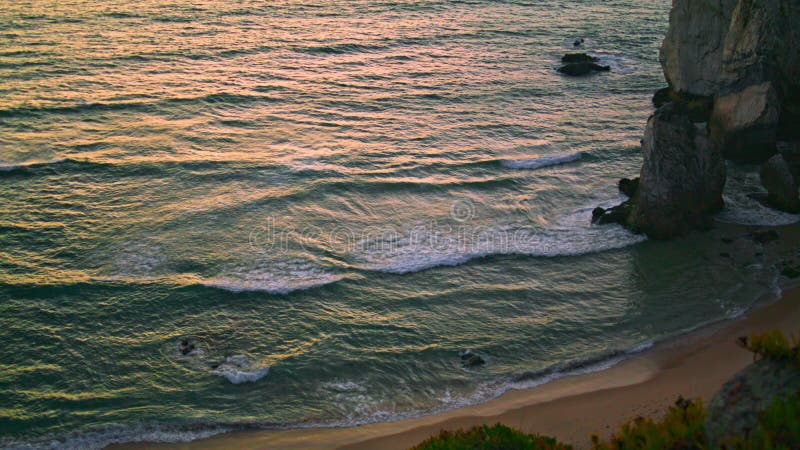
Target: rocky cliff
{"x": 733, "y": 69}
{"x": 743, "y": 56}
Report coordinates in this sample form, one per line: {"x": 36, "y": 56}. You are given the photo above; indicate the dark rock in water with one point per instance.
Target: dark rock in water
{"x": 470, "y": 359}
{"x": 597, "y": 213}
{"x": 628, "y": 186}
{"x": 782, "y": 190}
{"x": 764, "y": 236}
{"x": 662, "y": 97}
{"x": 570, "y": 58}
{"x": 582, "y": 68}
{"x": 473, "y": 361}
{"x": 187, "y": 347}
{"x": 578, "y": 42}
{"x": 618, "y": 214}
{"x": 733, "y": 411}
{"x": 682, "y": 177}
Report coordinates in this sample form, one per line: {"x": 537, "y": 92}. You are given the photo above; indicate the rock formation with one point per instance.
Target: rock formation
{"x": 682, "y": 176}
{"x": 733, "y": 69}
{"x": 745, "y": 123}
{"x": 782, "y": 192}
{"x": 691, "y": 54}
{"x": 578, "y": 64}
{"x": 744, "y": 55}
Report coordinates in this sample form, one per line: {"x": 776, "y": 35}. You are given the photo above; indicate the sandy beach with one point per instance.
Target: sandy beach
{"x": 571, "y": 408}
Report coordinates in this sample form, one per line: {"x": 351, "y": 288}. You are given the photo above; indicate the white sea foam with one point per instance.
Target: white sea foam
{"x": 542, "y": 161}
{"x": 8, "y": 167}
{"x": 344, "y": 386}
{"x": 571, "y": 235}
{"x": 239, "y": 369}
{"x": 118, "y": 434}
{"x": 742, "y": 185}
{"x": 618, "y": 63}
{"x": 280, "y": 277}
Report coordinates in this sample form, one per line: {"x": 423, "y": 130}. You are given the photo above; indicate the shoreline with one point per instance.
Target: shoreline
{"x": 569, "y": 408}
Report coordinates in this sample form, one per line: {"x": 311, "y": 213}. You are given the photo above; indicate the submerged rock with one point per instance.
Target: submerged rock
{"x": 470, "y": 359}
{"x": 682, "y": 176}
{"x": 473, "y": 361}
{"x": 733, "y": 411}
{"x": 187, "y": 347}
{"x": 782, "y": 190}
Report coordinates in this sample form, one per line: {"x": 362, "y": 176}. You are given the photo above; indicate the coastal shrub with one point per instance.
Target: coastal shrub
{"x": 773, "y": 345}
{"x": 778, "y": 427}
{"x": 683, "y": 427}
{"x": 497, "y": 437}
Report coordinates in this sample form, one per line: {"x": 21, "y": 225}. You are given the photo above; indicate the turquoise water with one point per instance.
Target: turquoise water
{"x": 330, "y": 200}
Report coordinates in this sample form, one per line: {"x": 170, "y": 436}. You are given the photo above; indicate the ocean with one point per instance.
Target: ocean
{"x": 234, "y": 214}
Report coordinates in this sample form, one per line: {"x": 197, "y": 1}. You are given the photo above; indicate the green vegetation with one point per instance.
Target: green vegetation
{"x": 683, "y": 427}
{"x": 498, "y": 437}
{"x": 772, "y": 345}
{"x": 778, "y": 427}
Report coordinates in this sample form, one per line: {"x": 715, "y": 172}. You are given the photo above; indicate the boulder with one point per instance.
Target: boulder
{"x": 733, "y": 411}
{"x": 619, "y": 214}
{"x": 791, "y": 154}
{"x": 744, "y": 124}
{"x": 782, "y": 190}
{"x": 691, "y": 53}
{"x": 682, "y": 176}
{"x": 582, "y": 68}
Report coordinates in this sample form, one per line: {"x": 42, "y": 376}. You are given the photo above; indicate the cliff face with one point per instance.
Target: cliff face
{"x": 733, "y": 68}
{"x": 716, "y": 47}
{"x": 691, "y": 54}
{"x": 742, "y": 54}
